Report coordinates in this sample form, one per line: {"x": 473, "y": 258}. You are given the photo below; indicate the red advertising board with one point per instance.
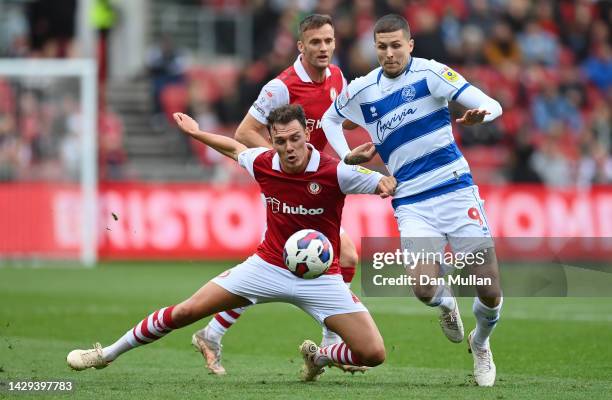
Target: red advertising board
{"x": 198, "y": 221}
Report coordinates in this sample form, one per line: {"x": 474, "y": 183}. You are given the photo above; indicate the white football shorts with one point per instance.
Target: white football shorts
{"x": 261, "y": 282}
{"x": 457, "y": 218}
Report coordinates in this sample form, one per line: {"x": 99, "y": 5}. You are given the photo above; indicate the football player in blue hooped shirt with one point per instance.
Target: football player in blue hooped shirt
{"x": 403, "y": 105}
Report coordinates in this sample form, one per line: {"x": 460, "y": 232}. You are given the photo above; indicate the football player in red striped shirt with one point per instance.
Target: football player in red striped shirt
{"x": 312, "y": 82}
{"x": 287, "y": 174}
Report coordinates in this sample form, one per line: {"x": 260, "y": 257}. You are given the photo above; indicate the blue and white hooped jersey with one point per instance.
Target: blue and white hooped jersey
{"x": 409, "y": 122}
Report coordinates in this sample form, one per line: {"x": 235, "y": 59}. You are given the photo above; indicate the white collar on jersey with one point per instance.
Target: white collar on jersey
{"x": 301, "y": 72}
{"x": 313, "y": 164}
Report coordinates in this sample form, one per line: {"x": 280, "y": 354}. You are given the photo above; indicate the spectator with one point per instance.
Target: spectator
{"x": 550, "y": 107}
{"x": 167, "y": 66}
{"x": 516, "y": 14}
{"x": 502, "y": 46}
{"x": 428, "y": 39}
{"x": 520, "y": 169}
{"x": 576, "y": 19}
{"x": 480, "y": 16}
{"x": 52, "y": 26}
{"x": 551, "y": 164}
{"x": 595, "y": 167}
{"x": 472, "y": 41}
{"x": 9, "y": 160}
{"x": 538, "y": 45}
{"x": 598, "y": 67}
{"x": 111, "y": 153}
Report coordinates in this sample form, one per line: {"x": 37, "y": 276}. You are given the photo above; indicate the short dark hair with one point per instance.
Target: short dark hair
{"x": 392, "y": 23}
{"x": 285, "y": 114}
{"x": 314, "y": 21}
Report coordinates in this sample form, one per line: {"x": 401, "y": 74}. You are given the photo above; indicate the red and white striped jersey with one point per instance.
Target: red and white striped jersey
{"x": 309, "y": 200}
{"x": 294, "y": 86}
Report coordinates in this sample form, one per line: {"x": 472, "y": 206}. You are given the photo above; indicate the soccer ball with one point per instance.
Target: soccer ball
{"x": 308, "y": 254}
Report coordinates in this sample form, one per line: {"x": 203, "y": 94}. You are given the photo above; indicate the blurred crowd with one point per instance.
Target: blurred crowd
{"x": 40, "y": 127}
{"x": 40, "y": 119}
{"x": 549, "y": 63}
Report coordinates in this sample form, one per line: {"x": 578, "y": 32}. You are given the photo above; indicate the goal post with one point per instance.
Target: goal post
{"x": 27, "y": 70}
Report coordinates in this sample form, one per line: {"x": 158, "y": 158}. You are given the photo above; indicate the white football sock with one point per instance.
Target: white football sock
{"x": 443, "y": 299}
{"x": 329, "y": 337}
{"x": 221, "y": 322}
{"x": 119, "y": 347}
{"x": 150, "y": 329}
{"x": 338, "y": 353}
{"x": 486, "y": 319}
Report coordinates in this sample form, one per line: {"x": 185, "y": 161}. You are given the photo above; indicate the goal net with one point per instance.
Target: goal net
{"x": 48, "y": 161}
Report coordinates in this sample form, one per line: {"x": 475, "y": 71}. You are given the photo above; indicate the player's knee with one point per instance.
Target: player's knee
{"x": 372, "y": 356}
{"x": 424, "y": 293}
{"x": 185, "y": 313}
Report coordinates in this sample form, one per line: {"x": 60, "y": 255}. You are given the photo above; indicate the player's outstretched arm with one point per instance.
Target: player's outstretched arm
{"x": 223, "y": 144}
{"x": 252, "y": 133}
{"x": 386, "y": 187}
{"x": 481, "y": 108}
{"x": 332, "y": 127}
{"x": 359, "y": 180}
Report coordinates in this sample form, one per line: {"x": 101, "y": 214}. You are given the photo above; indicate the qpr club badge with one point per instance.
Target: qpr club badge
{"x": 408, "y": 93}
{"x": 314, "y": 188}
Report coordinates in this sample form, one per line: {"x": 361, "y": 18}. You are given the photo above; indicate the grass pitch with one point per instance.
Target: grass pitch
{"x": 543, "y": 348}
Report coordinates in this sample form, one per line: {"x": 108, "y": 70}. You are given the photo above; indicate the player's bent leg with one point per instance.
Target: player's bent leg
{"x": 440, "y": 296}
{"x": 421, "y": 235}
{"x": 487, "y": 307}
{"x": 207, "y": 300}
{"x": 363, "y": 346}
{"x": 362, "y": 343}
{"x": 422, "y": 272}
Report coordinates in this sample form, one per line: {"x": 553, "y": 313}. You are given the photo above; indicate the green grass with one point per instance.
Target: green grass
{"x": 544, "y": 348}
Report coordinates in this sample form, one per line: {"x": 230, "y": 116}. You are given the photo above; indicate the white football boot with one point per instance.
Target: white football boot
{"x": 451, "y": 324}
{"x": 84, "y": 359}
{"x": 210, "y": 350}
{"x": 484, "y": 367}
{"x": 310, "y": 371}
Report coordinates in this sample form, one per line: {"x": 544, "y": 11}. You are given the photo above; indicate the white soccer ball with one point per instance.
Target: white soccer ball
{"x": 308, "y": 253}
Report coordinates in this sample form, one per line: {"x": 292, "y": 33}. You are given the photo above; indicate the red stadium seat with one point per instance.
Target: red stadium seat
{"x": 7, "y": 98}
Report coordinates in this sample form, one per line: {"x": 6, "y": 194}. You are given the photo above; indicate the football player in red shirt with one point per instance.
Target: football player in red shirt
{"x": 312, "y": 82}
{"x": 286, "y": 174}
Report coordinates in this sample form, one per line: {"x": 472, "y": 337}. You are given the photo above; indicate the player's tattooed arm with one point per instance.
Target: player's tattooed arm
{"x": 361, "y": 154}
{"x": 223, "y": 144}
{"x": 386, "y": 187}
{"x": 349, "y": 125}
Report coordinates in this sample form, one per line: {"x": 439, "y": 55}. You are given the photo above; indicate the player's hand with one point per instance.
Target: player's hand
{"x": 361, "y": 154}
{"x": 186, "y": 123}
{"x": 472, "y": 117}
{"x": 386, "y": 187}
